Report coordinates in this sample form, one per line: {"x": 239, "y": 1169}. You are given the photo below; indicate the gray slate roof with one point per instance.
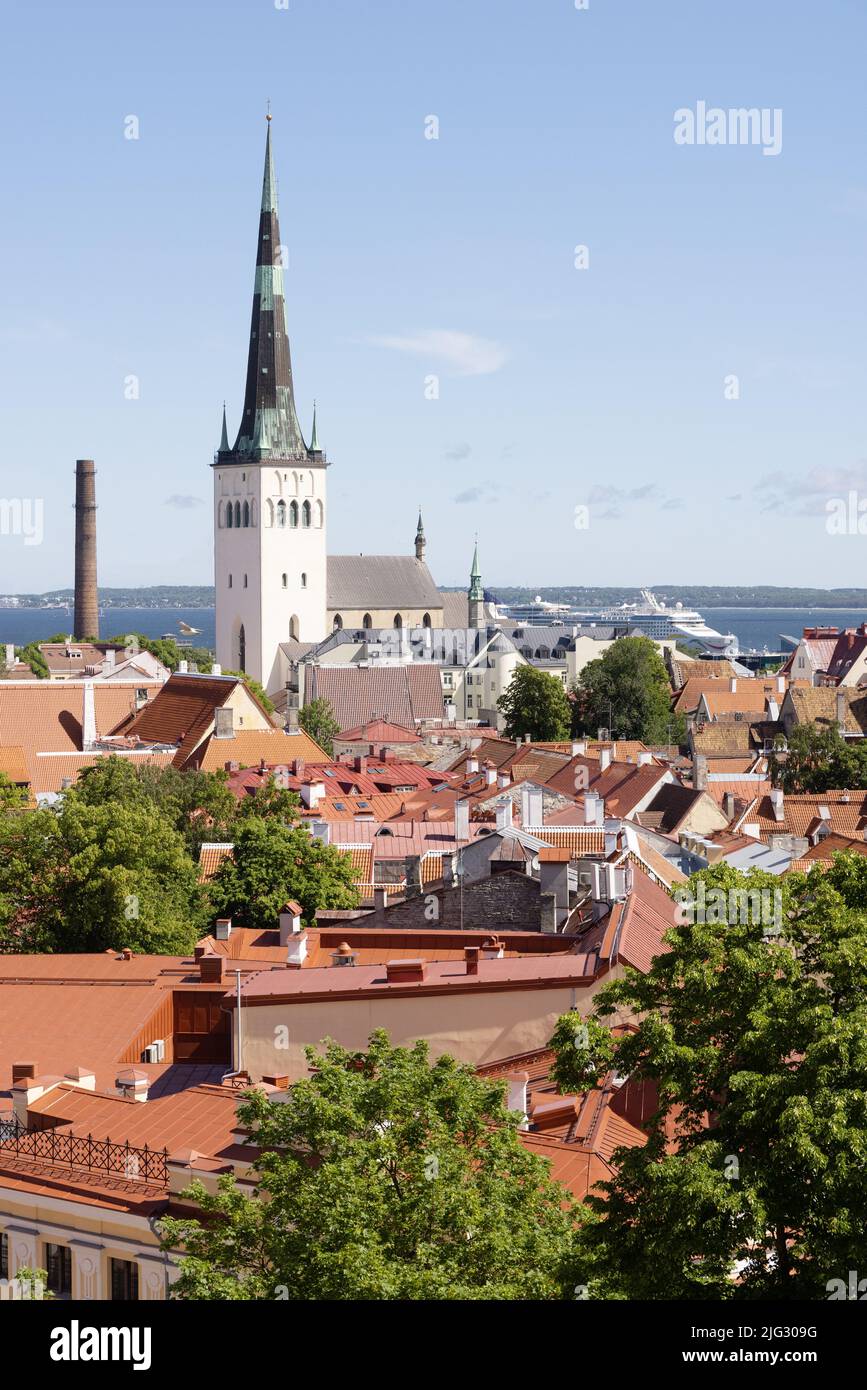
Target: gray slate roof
{"x": 380, "y": 581}
{"x": 456, "y": 609}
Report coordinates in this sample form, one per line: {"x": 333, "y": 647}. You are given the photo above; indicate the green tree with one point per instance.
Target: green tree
{"x": 386, "y": 1177}
{"x": 271, "y": 862}
{"x": 627, "y": 691}
{"x": 584, "y": 1051}
{"x": 93, "y": 878}
{"x": 317, "y": 720}
{"x": 534, "y": 703}
{"x": 819, "y": 759}
{"x": 198, "y": 805}
{"x": 752, "y": 1031}
{"x": 10, "y": 795}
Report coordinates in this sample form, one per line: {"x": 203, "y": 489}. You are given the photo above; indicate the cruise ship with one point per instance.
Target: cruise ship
{"x": 649, "y": 616}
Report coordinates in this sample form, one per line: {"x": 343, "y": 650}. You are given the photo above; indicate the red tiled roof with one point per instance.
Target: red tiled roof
{"x": 378, "y": 731}
{"x": 248, "y": 747}
{"x": 183, "y": 712}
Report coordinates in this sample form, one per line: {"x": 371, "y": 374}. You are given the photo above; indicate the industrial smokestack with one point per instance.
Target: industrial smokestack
{"x": 86, "y": 618}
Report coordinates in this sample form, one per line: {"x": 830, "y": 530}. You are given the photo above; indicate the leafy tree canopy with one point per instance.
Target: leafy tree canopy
{"x": 819, "y": 759}
{"x": 535, "y": 704}
{"x": 627, "y": 691}
{"x": 96, "y": 877}
{"x": 317, "y": 720}
{"x": 387, "y": 1177}
{"x": 271, "y": 862}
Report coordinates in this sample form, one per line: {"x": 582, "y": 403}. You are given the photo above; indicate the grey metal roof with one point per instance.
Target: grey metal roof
{"x": 380, "y": 581}
{"x": 456, "y": 609}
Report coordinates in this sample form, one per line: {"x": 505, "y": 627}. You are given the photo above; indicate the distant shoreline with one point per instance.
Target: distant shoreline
{"x": 166, "y": 597}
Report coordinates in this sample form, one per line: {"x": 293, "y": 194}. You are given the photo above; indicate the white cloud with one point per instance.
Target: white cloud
{"x": 466, "y": 353}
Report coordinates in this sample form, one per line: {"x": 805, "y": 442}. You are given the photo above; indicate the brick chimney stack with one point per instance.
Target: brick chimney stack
{"x": 86, "y": 618}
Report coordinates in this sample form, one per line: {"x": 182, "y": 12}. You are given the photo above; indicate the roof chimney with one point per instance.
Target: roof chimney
{"x": 462, "y": 820}
{"x": 516, "y": 1095}
{"x": 223, "y": 928}
{"x": 777, "y": 803}
{"x": 504, "y": 779}
{"x": 842, "y": 708}
{"x": 210, "y": 969}
{"x": 472, "y": 766}
{"x": 699, "y": 772}
{"x": 604, "y": 759}
{"x": 132, "y": 1084}
{"x": 504, "y": 815}
{"x": 490, "y": 775}
{"x": 471, "y": 956}
{"x": 380, "y": 898}
{"x": 290, "y": 921}
{"x": 405, "y": 971}
{"x": 296, "y": 947}
{"x": 344, "y": 955}
{"x": 88, "y": 723}
{"x": 224, "y": 722}
{"x": 86, "y": 610}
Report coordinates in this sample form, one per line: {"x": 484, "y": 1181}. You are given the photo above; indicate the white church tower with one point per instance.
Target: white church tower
{"x": 270, "y": 508}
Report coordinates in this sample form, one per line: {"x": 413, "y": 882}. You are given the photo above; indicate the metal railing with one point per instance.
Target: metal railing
{"x": 100, "y": 1157}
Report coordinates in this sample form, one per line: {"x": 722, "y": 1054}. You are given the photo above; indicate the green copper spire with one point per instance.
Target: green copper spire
{"x": 224, "y": 438}
{"x": 269, "y": 183}
{"x": 476, "y": 592}
{"x": 314, "y": 438}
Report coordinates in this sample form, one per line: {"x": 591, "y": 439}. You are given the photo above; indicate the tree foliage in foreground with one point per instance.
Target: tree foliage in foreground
{"x": 317, "y": 720}
{"x": 384, "y": 1176}
{"x": 765, "y": 1032}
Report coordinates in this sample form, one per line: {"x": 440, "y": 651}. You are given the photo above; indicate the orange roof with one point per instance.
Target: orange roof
{"x": 248, "y": 747}
{"x": 378, "y": 731}
{"x": 211, "y": 856}
{"x": 14, "y": 765}
{"x": 802, "y": 813}
{"x": 46, "y": 716}
{"x": 52, "y": 770}
{"x": 183, "y": 712}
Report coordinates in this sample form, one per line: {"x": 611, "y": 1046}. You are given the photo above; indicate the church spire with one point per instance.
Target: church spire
{"x": 314, "y": 437}
{"x": 224, "y": 437}
{"x": 475, "y": 593}
{"x": 419, "y": 538}
{"x": 269, "y": 398}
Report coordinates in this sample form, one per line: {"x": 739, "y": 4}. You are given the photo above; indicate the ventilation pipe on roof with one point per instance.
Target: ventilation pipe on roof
{"x": 132, "y": 1084}
{"x": 239, "y": 1061}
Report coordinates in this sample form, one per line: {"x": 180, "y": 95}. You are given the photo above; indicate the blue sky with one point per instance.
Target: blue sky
{"x": 409, "y": 257}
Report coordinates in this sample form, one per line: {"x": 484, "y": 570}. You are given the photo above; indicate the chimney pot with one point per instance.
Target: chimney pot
{"x": 210, "y": 969}
{"x": 471, "y": 956}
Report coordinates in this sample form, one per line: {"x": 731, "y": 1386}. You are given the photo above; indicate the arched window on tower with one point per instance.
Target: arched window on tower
{"x": 269, "y": 512}
{"x": 281, "y": 513}
{"x": 285, "y": 581}
{"x": 338, "y": 622}
{"x": 237, "y": 513}
{"x": 229, "y": 514}
{"x": 303, "y": 581}
{"x": 242, "y": 649}
{"x": 293, "y": 514}
{"x": 246, "y": 513}
{"x": 305, "y": 514}
{"x": 230, "y": 581}
{"x": 367, "y": 622}
{"x": 425, "y": 622}
{"x": 320, "y": 515}
{"x": 398, "y": 620}
{"x": 294, "y": 630}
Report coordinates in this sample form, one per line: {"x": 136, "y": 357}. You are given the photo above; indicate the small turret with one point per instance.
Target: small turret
{"x": 419, "y": 538}
{"x": 475, "y": 593}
